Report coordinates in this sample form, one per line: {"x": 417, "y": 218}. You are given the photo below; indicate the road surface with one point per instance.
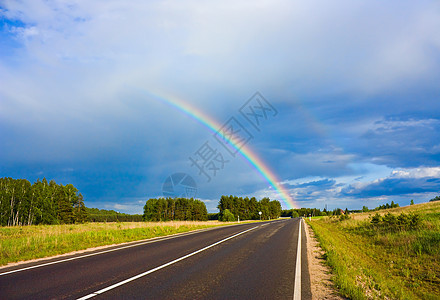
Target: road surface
{"x": 247, "y": 261}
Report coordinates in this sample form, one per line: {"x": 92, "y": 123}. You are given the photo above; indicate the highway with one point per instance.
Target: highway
{"x": 246, "y": 261}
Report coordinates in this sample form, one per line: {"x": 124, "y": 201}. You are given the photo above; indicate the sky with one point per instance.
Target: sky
{"x": 91, "y": 93}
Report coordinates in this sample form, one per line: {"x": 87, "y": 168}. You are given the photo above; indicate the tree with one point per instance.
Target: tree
{"x": 412, "y": 202}
{"x": 180, "y": 205}
{"x": 150, "y": 210}
{"x": 227, "y": 216}
{"x": 174, "y": 209}
{"x": 200, "y": 212}
{"x": 365, "y": 209}
{"x": 274, "y": 209}
{"x": 23, "y": 203}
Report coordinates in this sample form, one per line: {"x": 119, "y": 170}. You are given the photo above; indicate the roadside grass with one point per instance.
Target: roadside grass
{"x": 380, "y": 261}
{"x": 31, "y": 242}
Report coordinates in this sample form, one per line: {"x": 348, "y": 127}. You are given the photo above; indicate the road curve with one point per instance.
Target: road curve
{"x": 248, "y": 261}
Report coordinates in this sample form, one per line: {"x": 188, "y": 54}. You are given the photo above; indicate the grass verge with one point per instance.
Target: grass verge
{"x": 32, "y": 242}
{"x": 377, "y": 261}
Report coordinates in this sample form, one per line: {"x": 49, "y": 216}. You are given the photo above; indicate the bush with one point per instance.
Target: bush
{"x": 392, "y": 223}
{"x": 376, "y": 219}
{"x": 389, "y": 219}
{"x": 344, "y": 217}
{"x": 227, "y": 216}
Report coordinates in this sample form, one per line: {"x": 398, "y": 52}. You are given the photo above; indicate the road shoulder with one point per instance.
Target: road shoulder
{"x": 320, "y": 275}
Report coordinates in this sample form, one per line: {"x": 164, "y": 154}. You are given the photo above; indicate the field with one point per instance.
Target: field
{"x": 394, "y": 256}
{"x": 31, "y": 242}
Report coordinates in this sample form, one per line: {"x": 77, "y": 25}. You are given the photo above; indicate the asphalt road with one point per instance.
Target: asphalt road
{"x": 248, "y": 261}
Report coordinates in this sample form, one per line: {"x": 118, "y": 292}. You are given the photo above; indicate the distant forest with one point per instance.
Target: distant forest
{"x": 104, "y": 215}
{"x": 305, "y": 212}
{"x": 247, "y": 208}
{"x": 435, "y": 199}
{"x": 173, "y": 209}
{"x": 23, "y": 203}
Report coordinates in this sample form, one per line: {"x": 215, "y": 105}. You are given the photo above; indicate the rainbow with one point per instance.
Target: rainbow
{"x": 244, "y": 150}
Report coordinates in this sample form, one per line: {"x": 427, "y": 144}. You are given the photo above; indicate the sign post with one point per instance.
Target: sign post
{"x": 260, "y": 214}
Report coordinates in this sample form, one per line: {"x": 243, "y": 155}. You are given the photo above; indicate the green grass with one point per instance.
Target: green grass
{"x": 31, "y": 242}
{"x": 379, "y": 262}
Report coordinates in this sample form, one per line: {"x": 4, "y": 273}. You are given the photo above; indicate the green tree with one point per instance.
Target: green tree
{"x": 227, "y": 216}
{"x": 200, "y": 212}
{"x": 180, "y": 207}
{"x": 412, "y": 202}
{"x": 23, "y": 203}
{"x": 150, "y": 210}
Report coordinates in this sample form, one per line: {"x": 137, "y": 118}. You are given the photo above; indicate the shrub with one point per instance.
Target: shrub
{"x": 392, "y": 222}
{"x": 375, "y": 220}
{"x": 414, "y": 220}
{"x": 227, "y": 216}
{"x": 344, "y": 217}
{"x": 389, "y": 219}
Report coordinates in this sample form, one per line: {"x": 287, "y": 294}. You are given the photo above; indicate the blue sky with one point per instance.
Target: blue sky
{"x": 355, "y": 84}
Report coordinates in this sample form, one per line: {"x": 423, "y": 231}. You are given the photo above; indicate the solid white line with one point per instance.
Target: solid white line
{"x": 162, "y": 266}
{"x": 297, "y": 287}
{"x": 135, "y": 244}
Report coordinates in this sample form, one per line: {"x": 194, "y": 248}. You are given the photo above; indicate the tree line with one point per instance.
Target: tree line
{"x": 437, "y": 198}
{"x": 104, "y": 215}
{"x": 301, "y": 212}
{"x": 233, "y": 207}
{"x": 23, "y": 203}
{"x": 173, "y": 209}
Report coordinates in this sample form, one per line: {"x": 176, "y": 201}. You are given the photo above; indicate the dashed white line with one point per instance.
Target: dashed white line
{"x": 161, "y": 267}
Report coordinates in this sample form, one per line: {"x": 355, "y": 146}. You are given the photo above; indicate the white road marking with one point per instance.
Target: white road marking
{"x": 162, "y": 266}
{"x": 297, "y": 286}
{"x": 136, "y": 243}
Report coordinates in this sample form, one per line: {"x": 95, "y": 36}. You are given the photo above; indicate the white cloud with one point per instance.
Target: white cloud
{"x": 393, "y": 125}
{"x": 417, "y": 173}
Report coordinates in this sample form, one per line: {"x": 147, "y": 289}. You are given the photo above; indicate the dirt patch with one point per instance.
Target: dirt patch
{"x": 320, "y": 275}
